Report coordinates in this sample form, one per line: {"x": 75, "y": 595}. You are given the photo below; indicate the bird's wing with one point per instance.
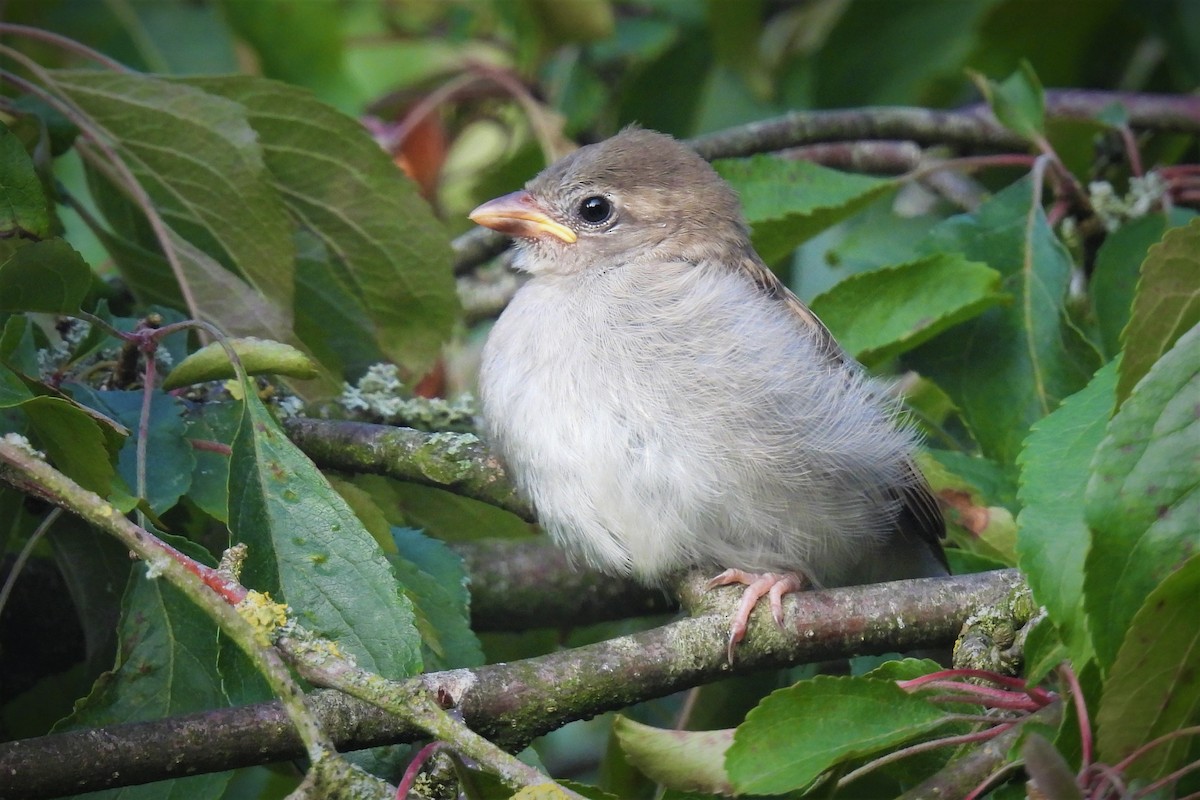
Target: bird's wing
{"x": 769, "y": 282}
{"x": 920, "y": 516}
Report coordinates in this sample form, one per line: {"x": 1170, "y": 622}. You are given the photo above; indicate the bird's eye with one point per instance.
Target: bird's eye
{"x": 595, "y": 210}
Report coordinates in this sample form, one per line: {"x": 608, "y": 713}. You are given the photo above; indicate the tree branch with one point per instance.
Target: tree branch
{"x": 972, "y": 128}
{"x": 457, "y": 462}
{"x": 513, "y": 703}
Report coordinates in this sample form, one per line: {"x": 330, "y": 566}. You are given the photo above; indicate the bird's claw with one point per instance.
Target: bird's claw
{"x": 773, "y": 585}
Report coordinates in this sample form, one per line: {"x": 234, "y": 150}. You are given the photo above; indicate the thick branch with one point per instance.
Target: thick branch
{"x": 515, "y": 702}
{"x": 457, "y": 462}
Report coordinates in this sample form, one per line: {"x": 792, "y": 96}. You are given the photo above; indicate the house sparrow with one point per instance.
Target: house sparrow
{"x": 666, "y": 402}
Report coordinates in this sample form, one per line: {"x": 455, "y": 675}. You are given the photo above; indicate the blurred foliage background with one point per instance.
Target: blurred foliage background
{"x": 473, "y": 97}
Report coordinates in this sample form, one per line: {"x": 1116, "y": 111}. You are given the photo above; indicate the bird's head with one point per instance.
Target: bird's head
{"x": 639, "y": 196}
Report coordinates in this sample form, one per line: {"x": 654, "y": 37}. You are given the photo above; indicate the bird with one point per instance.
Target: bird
{"x": 667, "y": 404}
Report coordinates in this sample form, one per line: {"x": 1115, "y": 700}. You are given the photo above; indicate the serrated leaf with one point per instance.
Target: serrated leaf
{"x": 435, "y": 581}
{"x": 880, "y": 314}
{"x": 395, "y": 254}
{"x": 1052, "y": 535}
{"x": 675, "y": 759}
{"x": 48, "y": 276}
{"x": 1167, "y": 303}
{"x": 1114, "y": 278}
{"x": 844, "y": 719}
{"x": 1153, "y": 687}
{"x": 1018, "y": 101}
{"x": 200, "y": 161}
{"x": 24, "y": 209}
{"x": 1143, "y": 499}
{"x": 1012, "y": 365}
{"x": 787, "y": 202}
{"x": 166, "y": 666}
{"x": 308, "y": 549}
{"x": 258, "y": 357}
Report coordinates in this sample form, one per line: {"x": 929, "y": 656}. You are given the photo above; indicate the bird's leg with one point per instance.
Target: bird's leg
{"x": 772, "y": 584}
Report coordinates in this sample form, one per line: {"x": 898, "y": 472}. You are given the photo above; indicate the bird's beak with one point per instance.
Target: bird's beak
{"x": 518, "y": 214}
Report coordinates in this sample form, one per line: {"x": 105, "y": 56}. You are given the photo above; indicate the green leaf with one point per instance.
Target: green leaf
{"x": 1052, "y": 535}
{"x": 395, "y": 254}
{"x": 13, "y": 390}
{"x": 787, "y": 202}
{"x": 1018, "y": 101}
{"x": 1166, "y": 305}
{"x": 48, "y": 276}
{"x": 215, "y": 424}
{"x": 1153, "y": 687}
{"x": 308, "y": 549}
{"x": 675, "y": 759}
{"x": 1011, "y": 366}
{"x": 167, "y": 666}
{"x": 436, "y": 583}
{"x": 24, "y": 209}
{"x": 878, "y": 315}
{"x": 796, "y": 734}
{"x": 968, "y": 490}
{"x": 199, "y": 160}
{"x": 169, "y": 456}
{"x": 1118, "y": 262}
{"x": 1143, "y": 498}
{"x": 73, "y": 441}
{"x": 258, "y": 357}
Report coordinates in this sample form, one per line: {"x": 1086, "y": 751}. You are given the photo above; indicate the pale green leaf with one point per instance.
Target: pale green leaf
{"x": 676, "y": 759}
{"x": 258, "y": 356}
{"x": 787, "y": 201}
{"x": 878, "y": 315}
{"x": 1052, "y": 535}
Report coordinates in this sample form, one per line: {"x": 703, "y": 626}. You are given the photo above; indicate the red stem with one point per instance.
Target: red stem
{"x": 1085, "y": 726}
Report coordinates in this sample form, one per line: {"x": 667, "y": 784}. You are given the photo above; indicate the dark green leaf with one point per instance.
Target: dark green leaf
{"x": 1153, "y": 687}
{"x": 1053, "y": 537}
{"x": 788, "y": 201}
{"x": 212, "y": 424}
{"x": 73, "y": 441}
{"x": 308, "y": 549}
{"x": 167, "y": 666}
{"x": 47, "y": 276}
{"x": 169, "y": 457}
{"x": 1166, "y": 305}
{"x": 435, "y": 581}
{"x": 843, "y": 719}
{"x": 1011, "y": 366}
{"x": 13, "y": 390}
{"x": 199, "y": 160}
{"x": 878, "y": 315}
{"x": 24, "y": 209}
{"x": 1118, "y": 263}
{"x": 1143, "y": 498}
{"x": 395, "y": 254}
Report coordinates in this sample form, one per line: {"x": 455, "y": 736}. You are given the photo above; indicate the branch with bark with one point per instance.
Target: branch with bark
{"x": 515, "y": 702}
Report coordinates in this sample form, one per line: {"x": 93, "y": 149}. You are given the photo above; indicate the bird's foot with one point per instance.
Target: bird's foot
{"x": 774, "y": 585}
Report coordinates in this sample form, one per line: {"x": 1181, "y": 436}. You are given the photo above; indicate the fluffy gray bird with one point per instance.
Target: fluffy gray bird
{"x": 666, "y": 403}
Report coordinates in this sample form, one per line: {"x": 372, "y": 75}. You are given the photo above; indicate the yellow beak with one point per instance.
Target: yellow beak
{"x": 518, "y": 214}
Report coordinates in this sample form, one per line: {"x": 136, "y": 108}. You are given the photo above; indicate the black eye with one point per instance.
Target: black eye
{"x": 595, "y": 209}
